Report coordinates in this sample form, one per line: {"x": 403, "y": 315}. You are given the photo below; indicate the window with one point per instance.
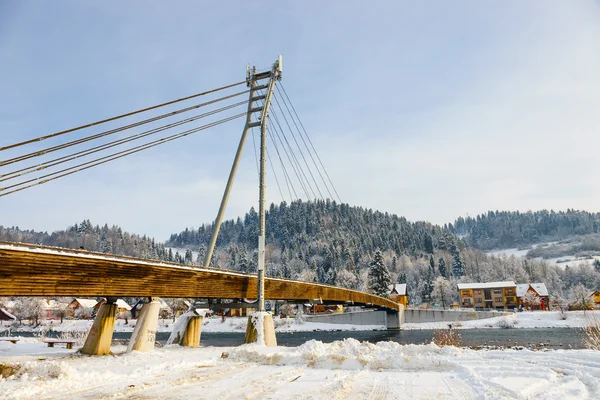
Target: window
{"x": 497, "y": 291}
{"x": 510, "y": 292}
{"x": 477, "y": 291}
{"x": 466, "y": 293}
{"x": 467, "y": 301}
{"x": 479, "y": 300}
{"x": 498, "y": 299}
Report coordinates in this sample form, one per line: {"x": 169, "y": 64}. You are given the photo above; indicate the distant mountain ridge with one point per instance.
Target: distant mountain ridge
{"x": 510, "y": 229}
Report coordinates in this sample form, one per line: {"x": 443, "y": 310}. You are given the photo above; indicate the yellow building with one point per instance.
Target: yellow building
{"x": 398, "y": 293}
{"x": 596, "y": 298}
{"x": 488, "y": 296}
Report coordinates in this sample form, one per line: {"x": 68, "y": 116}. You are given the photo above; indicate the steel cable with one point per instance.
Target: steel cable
{"x": 310, "y": 141}
{"x": 120, "y": 116}
{"x": 110, "y": 132}
{"x": 92, "y": 150}
{"x": 113, "y": 156}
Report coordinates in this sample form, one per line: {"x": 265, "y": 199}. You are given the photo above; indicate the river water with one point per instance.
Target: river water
{"x": 553, "y": 338}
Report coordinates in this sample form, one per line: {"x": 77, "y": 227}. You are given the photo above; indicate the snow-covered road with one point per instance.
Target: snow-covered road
{"x": 341, "y": 370}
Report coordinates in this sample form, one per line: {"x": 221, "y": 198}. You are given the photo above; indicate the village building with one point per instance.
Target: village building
{"x": 164, "y": 311}
{"x": 122, "y": 307}
{"x": 538, "y": 290}
{"x": 86, "y": 307}
{"x": 596, "y": 298}
{"x": 488, "y": 296}
{"x": 55, "y": 309}
{"x": 6, "y": 316}
{"x": 398, "y": 293}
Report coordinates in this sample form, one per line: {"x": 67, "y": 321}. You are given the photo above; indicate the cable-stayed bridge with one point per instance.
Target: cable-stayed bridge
{"x": 283, "y": 142}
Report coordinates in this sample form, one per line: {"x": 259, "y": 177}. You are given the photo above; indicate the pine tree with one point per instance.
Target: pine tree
{"x": 379, "y": 276}
{"x": 457, "y": 264}
{"x": 244, "y": 264}
{"x": 442, "y": 267}
{"x": 428, "y": 283}
{"x": 402, "y": 277}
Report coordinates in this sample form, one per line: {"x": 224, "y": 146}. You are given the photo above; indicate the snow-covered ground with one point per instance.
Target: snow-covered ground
{"x": 345, "y": 369}
{"x": 562, "y": 262}
{"x": 525, "y": 319}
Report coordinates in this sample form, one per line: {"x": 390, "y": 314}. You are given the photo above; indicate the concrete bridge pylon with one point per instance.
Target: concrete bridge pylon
{"x": 144, "y": 333}
{"x": 100, "y": 336}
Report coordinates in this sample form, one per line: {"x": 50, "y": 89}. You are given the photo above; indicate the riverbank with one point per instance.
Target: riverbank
{"x": 519, "y": 320}
{"x": 342, "y": 369}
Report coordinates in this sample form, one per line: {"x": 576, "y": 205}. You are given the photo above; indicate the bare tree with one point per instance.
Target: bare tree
{"x": 530, "y": 299}
{"x": 441, "y": 291}
{"x": 581, "y": 298}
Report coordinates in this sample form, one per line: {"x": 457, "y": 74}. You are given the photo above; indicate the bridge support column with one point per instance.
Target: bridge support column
{"x": 100, "y": 337}
{"x": 394, "y": 320}
{"x": 191, "y": 337}
{"x": 261, "y": 330}
{"x": 144, "y": 333}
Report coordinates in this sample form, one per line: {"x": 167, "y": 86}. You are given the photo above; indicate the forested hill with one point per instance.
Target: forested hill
{"x": 103, "y": 239}
{"x": 508, "y": 229}
{"x": 323, "y": 227}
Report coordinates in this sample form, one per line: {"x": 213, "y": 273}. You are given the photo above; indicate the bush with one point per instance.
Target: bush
{"x": 592, "y": 333}
{"x": 447, "y": 337}
{"x": 506, "y": 323}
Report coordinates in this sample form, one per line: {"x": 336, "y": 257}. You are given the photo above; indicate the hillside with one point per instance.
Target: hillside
{"x": 103, "y": 239}
{"x": 513, "y": 229}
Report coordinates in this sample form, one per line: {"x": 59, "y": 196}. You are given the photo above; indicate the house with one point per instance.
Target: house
{"x": 488, "y": 296}
{"x": 537, "y": 289}
{"x": 163, "y": 312}
{"x": 55, "y": 309}
{"x": 122, "y": 307}
{"x": 398, "y": 293}
{"x": 85, "y": 305}
{"x": 596, "y": 298}
{"x": 6, "y": 316}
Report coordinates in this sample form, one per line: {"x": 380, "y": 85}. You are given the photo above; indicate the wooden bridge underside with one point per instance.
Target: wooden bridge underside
{"x": 32, "y": 270}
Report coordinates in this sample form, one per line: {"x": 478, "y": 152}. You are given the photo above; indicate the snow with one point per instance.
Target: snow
{"x": 399, "y": 287}
{"x": 525, "y": 319}
{"x": 87, "y": 303}
{"x": 345, "y": 369}
{"x": 486, "y": 285}
{"x": 7, "y": 314}
{"x": 571, "y": 260}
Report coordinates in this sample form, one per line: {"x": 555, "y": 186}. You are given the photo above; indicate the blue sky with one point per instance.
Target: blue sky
{"x": 429, "y": 110}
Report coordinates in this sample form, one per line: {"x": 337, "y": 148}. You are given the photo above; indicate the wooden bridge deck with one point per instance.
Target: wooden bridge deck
{"x": 33, "y": 270}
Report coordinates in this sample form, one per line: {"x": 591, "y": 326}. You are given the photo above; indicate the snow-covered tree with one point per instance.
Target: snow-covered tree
{"x": 457, "y": 263}
{"x": 580, "y": 296}
{"x": 30, "y": 308}
{"x": 530, "y": 300}
{"x": 442, "y": 292}
{"x": 442, "y": 267}
{"x": 347, "y": 279}
{"x": 244, "y": 265}
{"x": 379, "y": 276}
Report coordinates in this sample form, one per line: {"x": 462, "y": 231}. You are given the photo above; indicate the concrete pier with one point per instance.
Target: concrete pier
{"x": 191, "y": 337}
{"x": 144, "y": 333}
{"x": 100, "y": 337}
{"x": 261, "y": 321}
